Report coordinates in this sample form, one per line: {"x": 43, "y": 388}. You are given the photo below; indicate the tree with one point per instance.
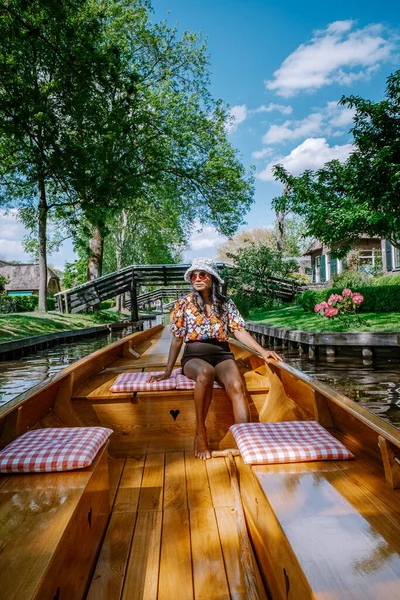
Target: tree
{"x": 250, "y": 281}
{"x": 101, "y": 110}
{"x": 342, "y": 201}
{"x": 259, "y": 235}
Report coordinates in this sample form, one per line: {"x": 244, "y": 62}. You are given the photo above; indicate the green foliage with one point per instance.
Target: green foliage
{"x": 382, "y": 298}
{"x": 74, "y": 274}
{"x": 12, "y": 304}
{"x": 351, "y": 279}
{"x": 250, "y": 281}
{"x": 3, "y": 281}
{"x": 387, "y": 280}
{"x": 106, "y": 304}
{"x": 342, "y": 201}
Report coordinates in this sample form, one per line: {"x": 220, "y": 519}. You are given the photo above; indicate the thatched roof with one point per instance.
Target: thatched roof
{"x": 23, "y": 277}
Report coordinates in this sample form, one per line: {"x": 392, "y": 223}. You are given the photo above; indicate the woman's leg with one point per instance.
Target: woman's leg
{"x": 204, "y": 375}
{"x": 228, "y": 374}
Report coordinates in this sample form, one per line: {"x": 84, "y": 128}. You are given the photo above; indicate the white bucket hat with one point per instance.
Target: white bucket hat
{"x": 203, "y": 264}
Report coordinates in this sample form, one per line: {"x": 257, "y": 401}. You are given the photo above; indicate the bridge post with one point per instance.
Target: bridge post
{"x": 134, "y": 304}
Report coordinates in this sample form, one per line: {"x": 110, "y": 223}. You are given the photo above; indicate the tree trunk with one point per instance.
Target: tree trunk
{"x": 280, "y": 229}
{"x": 118, "y": 253}
{"x": 96, "y": 247}
{"x": 42, "y": 243}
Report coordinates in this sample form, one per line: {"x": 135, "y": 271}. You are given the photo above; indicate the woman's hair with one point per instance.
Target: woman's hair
{"x": 217, "y": 299}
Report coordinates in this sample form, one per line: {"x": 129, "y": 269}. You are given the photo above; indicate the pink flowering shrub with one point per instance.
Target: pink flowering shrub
{"x": 339, "y": 305}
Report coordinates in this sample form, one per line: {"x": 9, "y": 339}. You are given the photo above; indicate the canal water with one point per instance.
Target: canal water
{"x": 375, "y": 386}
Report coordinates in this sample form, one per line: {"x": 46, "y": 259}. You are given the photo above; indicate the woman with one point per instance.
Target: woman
{"x": 204, "y": 319}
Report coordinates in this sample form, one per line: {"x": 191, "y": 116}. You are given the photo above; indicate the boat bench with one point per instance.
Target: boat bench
{"x": 51, "y": 528}
{"x": 318, "y": 534}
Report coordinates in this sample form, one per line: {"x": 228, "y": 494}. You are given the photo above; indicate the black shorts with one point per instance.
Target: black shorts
{"x": 212, "y": 351}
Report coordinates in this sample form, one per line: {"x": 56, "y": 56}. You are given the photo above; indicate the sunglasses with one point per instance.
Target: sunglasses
{"x": 202, "y": 275}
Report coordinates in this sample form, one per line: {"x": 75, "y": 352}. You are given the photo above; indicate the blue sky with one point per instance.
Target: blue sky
{"x": 282, "y": 67}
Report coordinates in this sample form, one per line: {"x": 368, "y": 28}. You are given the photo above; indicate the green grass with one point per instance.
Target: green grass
{"x": 294, "y": 317}
{"x": 21, "y": 325}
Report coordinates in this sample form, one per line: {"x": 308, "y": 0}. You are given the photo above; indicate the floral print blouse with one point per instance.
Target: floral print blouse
{"x": 188, "y": 323}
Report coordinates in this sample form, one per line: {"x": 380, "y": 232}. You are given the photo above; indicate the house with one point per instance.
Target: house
{"x": 23, "y": 280}
{"x": 325, "y": 264}
{"x": 390, "y": 258}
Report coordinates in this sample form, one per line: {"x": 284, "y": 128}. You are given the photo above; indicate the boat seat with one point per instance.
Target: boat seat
{"x": 318, "y": 534}
{"x": 52, "y": 525}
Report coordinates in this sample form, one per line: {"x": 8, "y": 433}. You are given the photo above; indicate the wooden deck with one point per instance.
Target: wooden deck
{"x": 172, "y": 533}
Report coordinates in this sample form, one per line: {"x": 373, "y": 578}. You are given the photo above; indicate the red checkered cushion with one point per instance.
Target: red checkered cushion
{"x": 184, "y": 383}
{"x": 291, "y": 441}
{"x": 139, "y": 382}
{"x": 60, "y": 449}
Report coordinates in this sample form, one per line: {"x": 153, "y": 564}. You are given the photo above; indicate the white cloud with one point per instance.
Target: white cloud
{"x": 203, "y": 242}
{"x": 312, "y": 154}
{"x": 285, "y": 110}
{"x": 335, "y": 54}
{"x": 311, "y": 125}
{"x": 317, "y": 123}
{"x": 262, "y": 153}
{"x": 237, "y": 115}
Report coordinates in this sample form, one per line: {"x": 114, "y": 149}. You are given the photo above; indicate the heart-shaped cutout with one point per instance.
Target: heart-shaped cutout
{"x": 174, "y": 413}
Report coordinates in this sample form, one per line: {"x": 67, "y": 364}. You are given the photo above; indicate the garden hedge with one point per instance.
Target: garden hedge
{"x": 10, "y": 304}
{"x": 377, "y": 298}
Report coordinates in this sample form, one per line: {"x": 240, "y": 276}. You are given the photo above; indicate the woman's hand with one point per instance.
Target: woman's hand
{"x": 160, "y": 376}
{"x": 267, "y": 354}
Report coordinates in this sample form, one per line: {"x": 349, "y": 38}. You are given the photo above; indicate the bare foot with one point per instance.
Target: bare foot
{"x": 201, "y": 446}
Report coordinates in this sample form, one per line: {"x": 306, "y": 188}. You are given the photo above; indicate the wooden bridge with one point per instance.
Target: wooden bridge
{"x": 130, "y": 279}
{"x": 158, "y": 296}
{"x": 125, "y": 280}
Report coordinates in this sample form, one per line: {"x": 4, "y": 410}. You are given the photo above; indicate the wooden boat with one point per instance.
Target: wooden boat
{"x": 147, "y": 520}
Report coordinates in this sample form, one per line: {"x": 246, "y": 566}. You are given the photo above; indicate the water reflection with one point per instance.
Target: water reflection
{"x": 18, "y": 375}
{"x": 375, "y": 386}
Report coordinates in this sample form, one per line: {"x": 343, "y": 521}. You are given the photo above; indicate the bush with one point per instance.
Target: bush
{"x": 351, "y": 279}
{"x": 107, "y": 304}
{"x": 385, "y": 298}
{"x": 11, "y": 304}
{"x": 310, "y": 298}
{"x": 387, "y": 280}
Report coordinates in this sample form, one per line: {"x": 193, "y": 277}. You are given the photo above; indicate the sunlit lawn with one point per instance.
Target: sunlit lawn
{"x": 294, "y": 317}
{"x": 20, "y": 325}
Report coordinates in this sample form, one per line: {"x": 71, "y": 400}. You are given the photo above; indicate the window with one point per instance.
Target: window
{"x": 396, "y": 253}
{"x": 317, "y": 269}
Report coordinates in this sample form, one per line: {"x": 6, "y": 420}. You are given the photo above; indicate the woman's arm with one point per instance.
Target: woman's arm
{"x": 245, "y": 338}
{"x": 174, "y": 349}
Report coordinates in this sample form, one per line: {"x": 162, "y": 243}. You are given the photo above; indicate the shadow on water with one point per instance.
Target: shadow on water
{"x": 18, "y": 375}
{"x": 375, "y": 386}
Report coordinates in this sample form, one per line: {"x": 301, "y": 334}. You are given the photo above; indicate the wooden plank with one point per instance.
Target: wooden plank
{"x": 108, "y": 578}
{"x": 115, "y": 467}
{"x": 151, "y": 493}
{"x": 230, "y": 547}
{"x": 175, "y": 495}
{"x": 198, "y": 488}
{"x": 141, "y": 580}
{"x": 129, "y": 488}
{"x": 209, "y": 577}
{"x": 176, "y": 582}
{"x": 220, "y": 483}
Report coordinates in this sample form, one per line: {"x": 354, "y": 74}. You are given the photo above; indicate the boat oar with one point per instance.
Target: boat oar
{"x": 245, "y": 549}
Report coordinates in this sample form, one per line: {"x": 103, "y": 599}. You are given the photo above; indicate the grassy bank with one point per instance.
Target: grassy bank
{"x": 294, "y": 317}
{"x": 20, "y": 325}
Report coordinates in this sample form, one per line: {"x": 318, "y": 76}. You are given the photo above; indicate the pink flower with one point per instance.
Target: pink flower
{"x": 330, "y": 312}
{"x": 357, "y": 298}
{"x": 320, "y": 306}
{"x": 317, "y": 308}
{"x": 334, "y": 298}
{"x": 347, "y": 292}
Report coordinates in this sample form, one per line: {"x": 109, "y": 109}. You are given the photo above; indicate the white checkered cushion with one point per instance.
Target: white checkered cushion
{"x": 184, "y": 383}
{"x": 290, "y": 441}
{"x": 60, "y": 449}
{"x": 139, "y": 382}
